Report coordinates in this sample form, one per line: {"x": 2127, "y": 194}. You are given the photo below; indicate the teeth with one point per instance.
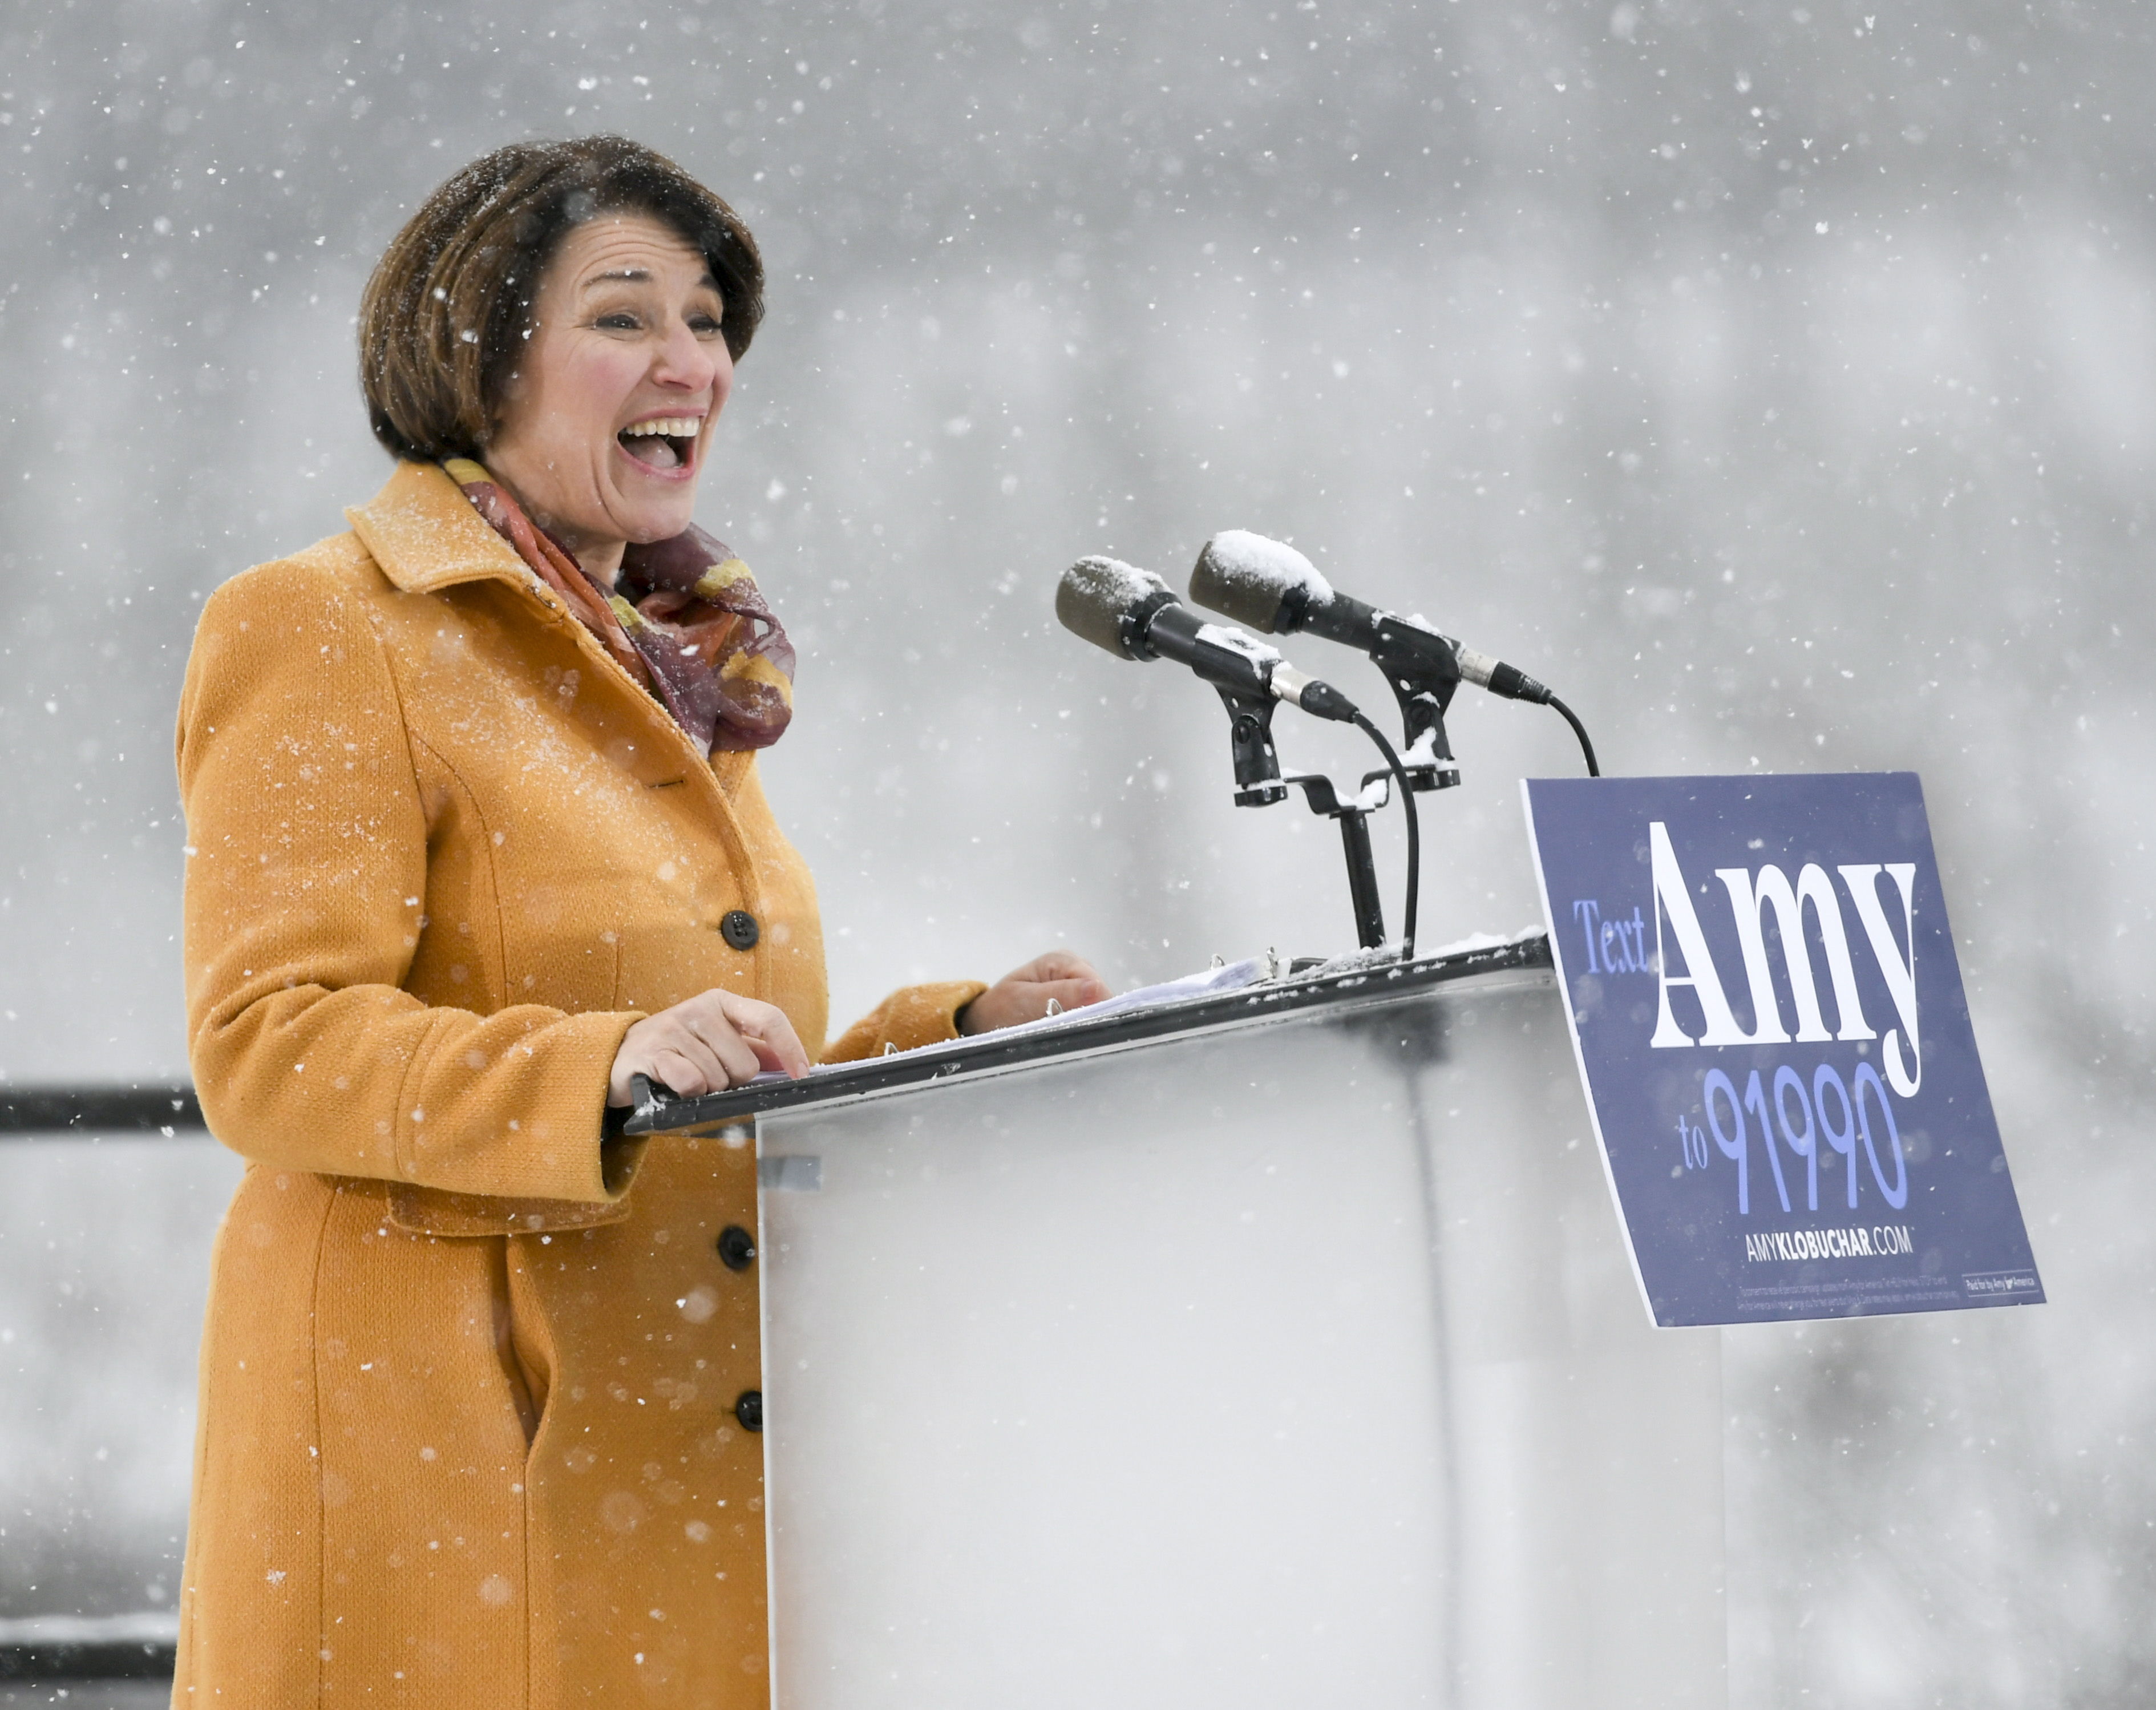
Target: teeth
{"x": 671, "y": 427}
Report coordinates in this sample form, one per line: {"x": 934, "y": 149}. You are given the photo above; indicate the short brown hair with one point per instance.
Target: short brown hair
{"x": 440, "y": 320}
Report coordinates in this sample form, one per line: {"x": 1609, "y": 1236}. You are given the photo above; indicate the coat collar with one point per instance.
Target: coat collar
{"x": 425, "y": 535}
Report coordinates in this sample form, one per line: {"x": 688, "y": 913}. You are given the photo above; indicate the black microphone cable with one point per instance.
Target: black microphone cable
{"x": 1578, "y": 730}
{"x": 1414, "y": 836}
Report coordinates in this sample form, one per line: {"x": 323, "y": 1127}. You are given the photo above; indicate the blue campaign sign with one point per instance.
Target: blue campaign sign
{"x": 1770, "y": 1022}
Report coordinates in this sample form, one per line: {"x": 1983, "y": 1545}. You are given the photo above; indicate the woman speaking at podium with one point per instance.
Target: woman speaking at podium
{"x": 475, "y": 834}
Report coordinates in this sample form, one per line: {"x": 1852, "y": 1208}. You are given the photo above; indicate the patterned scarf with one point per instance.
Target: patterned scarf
{"x": 685, "y": 620}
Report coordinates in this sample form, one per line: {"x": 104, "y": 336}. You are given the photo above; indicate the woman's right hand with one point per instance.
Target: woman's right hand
{"x": 713, "y": 1041}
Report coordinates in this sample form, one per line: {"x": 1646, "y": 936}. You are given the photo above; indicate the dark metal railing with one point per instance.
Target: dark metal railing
{"x": 59, "y": 1111}
{"x": 57, "y": 1114}
{"x": 52, "y": 1660}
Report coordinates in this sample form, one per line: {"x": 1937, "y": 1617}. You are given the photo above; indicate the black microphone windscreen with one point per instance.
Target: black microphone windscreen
{"x": 1095, "y": 594}
{"x": 1248, "y": 578}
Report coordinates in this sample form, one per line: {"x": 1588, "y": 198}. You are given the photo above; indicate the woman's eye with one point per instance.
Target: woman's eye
{"x": 619, "y": 322}
{"x": 704, "y": 325}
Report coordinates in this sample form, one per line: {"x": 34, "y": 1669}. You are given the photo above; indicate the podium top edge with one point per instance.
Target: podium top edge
{"x": 990, "y": 1053}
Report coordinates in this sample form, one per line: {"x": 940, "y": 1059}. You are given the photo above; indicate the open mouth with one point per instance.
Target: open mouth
{"x": 665, "y": 442}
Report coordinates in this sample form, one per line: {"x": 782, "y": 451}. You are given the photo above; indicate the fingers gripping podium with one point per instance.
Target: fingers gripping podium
{"x": 1277, "y": 1347}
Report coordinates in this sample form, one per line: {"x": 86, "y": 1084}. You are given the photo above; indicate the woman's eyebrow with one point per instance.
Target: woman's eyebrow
{"x": 637, "y": 276}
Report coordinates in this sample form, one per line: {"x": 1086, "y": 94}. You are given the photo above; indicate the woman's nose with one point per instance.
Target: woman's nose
{"x": 686, "y": 361}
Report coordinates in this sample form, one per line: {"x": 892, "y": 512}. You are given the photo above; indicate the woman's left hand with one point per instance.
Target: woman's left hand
{"x": 1024, "y": 993}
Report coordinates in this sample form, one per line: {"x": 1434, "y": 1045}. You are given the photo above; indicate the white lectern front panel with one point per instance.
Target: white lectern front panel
{"x": 1290, "y": 1362}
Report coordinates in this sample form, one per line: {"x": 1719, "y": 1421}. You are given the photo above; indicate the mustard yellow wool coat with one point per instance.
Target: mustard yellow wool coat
{"x": 467, "y": 1380}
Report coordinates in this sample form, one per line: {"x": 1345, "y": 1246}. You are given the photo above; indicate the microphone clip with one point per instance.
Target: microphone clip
{"x": 1250, "y": 740}
{"x": 1421, "y": 667}
{"x": 1422, "y": 672}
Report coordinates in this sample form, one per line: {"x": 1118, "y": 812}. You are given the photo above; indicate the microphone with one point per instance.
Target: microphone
{"x": 1133, "y": 614}
{"x": 1271, "y": 587}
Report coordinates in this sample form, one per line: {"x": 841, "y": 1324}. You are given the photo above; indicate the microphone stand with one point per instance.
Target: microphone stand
{"x": 1355, "y": 841}
{"x": 1259, "y": 784}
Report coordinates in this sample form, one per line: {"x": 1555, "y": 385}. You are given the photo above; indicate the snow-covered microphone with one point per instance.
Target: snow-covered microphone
{"x": 1133, "y": 614}
{"x": 1270, "y": 586}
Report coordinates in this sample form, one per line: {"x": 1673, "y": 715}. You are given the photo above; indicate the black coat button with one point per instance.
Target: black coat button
{"x": 739, "y": 929}
{"x": 736, "y": 1247}
{"x": 748, "y": 1409}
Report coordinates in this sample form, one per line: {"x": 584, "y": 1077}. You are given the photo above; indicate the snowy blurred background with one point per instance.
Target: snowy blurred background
{"x": 1778, "y": 382}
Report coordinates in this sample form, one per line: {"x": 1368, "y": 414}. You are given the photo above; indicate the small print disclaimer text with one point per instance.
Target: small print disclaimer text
{"x": 1998, "y": 1281}
{"x": 1879, "y": 1241}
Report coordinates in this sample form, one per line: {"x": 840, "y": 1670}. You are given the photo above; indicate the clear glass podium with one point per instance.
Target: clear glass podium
{"x": 1272, "y": 1348}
